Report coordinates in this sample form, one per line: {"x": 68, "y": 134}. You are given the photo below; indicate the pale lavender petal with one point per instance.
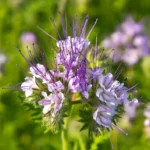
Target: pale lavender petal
{"x": 44, "y": 102}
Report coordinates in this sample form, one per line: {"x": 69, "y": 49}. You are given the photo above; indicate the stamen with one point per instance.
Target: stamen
{"x": 66, "y": 21}
{"x": 112, "y": 146}
{"x": 47, "y": 33}
{"x": 24, "y": 57}
{"x": 55, "y": 28}
{"x": 73, "y": 28}
{"x": 63, "y": 26}
{"x": 84, "y": 26}
{"x": 132, "y": 87}
{"x": 21, "y": 69}
{"x": 31, "y": 57}
{"x": 117, "y": 75}
{"x": 13, "y": 87}
{"x": 120, "y": 129}
{"x": 118, "y": 68}
{"x": 91, "y": 29}
{"x": 51, "y": 65}
{"x": 36, "y": 53}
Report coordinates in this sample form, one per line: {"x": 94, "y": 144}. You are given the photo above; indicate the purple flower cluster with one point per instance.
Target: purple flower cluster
{"x": 52, "y": 95}
{"x": 130, "y": 110}
{"x": 71, "y": 79}
{"x": 129, "y": 42}
{"x": 28, "y": 37}
{"x": 73, "y": 75}
{"x": 111, "y": 93}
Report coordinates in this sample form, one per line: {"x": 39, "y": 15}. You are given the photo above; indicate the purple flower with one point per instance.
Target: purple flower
{"x": 28, "y": 86}
{"x": 40, "y": 71}
{"x": 55, "y": 87}
{"x": 68, "y": 76}
{"x": 107, "y": 97}
{"x": 94, "y": 73}
{"x": 83, "y": 82}
{"x": 73, "y": 84}
{"x": 72, "y": 49}
{"x": 132, "y": 55}
{"x": 46, "y": 102}
{"x": 131, "y": 28}
{"x": 129, "y": 42}
{"x": 28, "y": 37}
{"x": 73, "y": 45}
{"x": 54, "y": 100}
{"x": 118, "y": 90}
{"x": 103, "y": 115}
{"x": 111, "y": 93}
{"x": 73, "y": 74}
{"x": 130, "y": 108}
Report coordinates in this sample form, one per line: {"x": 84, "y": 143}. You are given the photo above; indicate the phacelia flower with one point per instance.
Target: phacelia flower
{"x": 130, "y": 109}
{"x": 100, "y": 92}
{"x": 111, "y": 94}
{"x": 129, "y": 42}
{"x": 54, "y": 100}
{"x": 28, "y": 86}
{"x": 28, "y": 37}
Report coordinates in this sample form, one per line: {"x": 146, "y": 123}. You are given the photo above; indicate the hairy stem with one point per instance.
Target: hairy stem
{"x": 64, "y": 139}
{"x": 64, "y": 133}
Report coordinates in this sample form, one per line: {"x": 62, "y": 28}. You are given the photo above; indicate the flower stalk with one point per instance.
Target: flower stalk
{"x": 64, "y": 137}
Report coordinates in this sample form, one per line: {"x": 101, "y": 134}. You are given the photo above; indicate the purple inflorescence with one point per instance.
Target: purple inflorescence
{"x": 129, "y": 42}
{"x": 110, "y": 93}
{"x": 28, "y": 37}
{"x": 73, "y": 75}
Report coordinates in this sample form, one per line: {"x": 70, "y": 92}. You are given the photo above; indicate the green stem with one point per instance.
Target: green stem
{"x": 81, "y": 142}
{"x": 64, "y": 134}
{"x": 64, "y": 139}
{"x": 97, "y": 141}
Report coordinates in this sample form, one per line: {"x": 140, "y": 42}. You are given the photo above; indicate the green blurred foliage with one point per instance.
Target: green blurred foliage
{"x": 17, "y": 130}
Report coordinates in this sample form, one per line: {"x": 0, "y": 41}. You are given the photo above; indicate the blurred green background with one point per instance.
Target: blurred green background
{"x": 17, "y": 130}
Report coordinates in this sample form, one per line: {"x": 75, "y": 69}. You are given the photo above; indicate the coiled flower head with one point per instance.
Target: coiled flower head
{"x": 102, "y": 95}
